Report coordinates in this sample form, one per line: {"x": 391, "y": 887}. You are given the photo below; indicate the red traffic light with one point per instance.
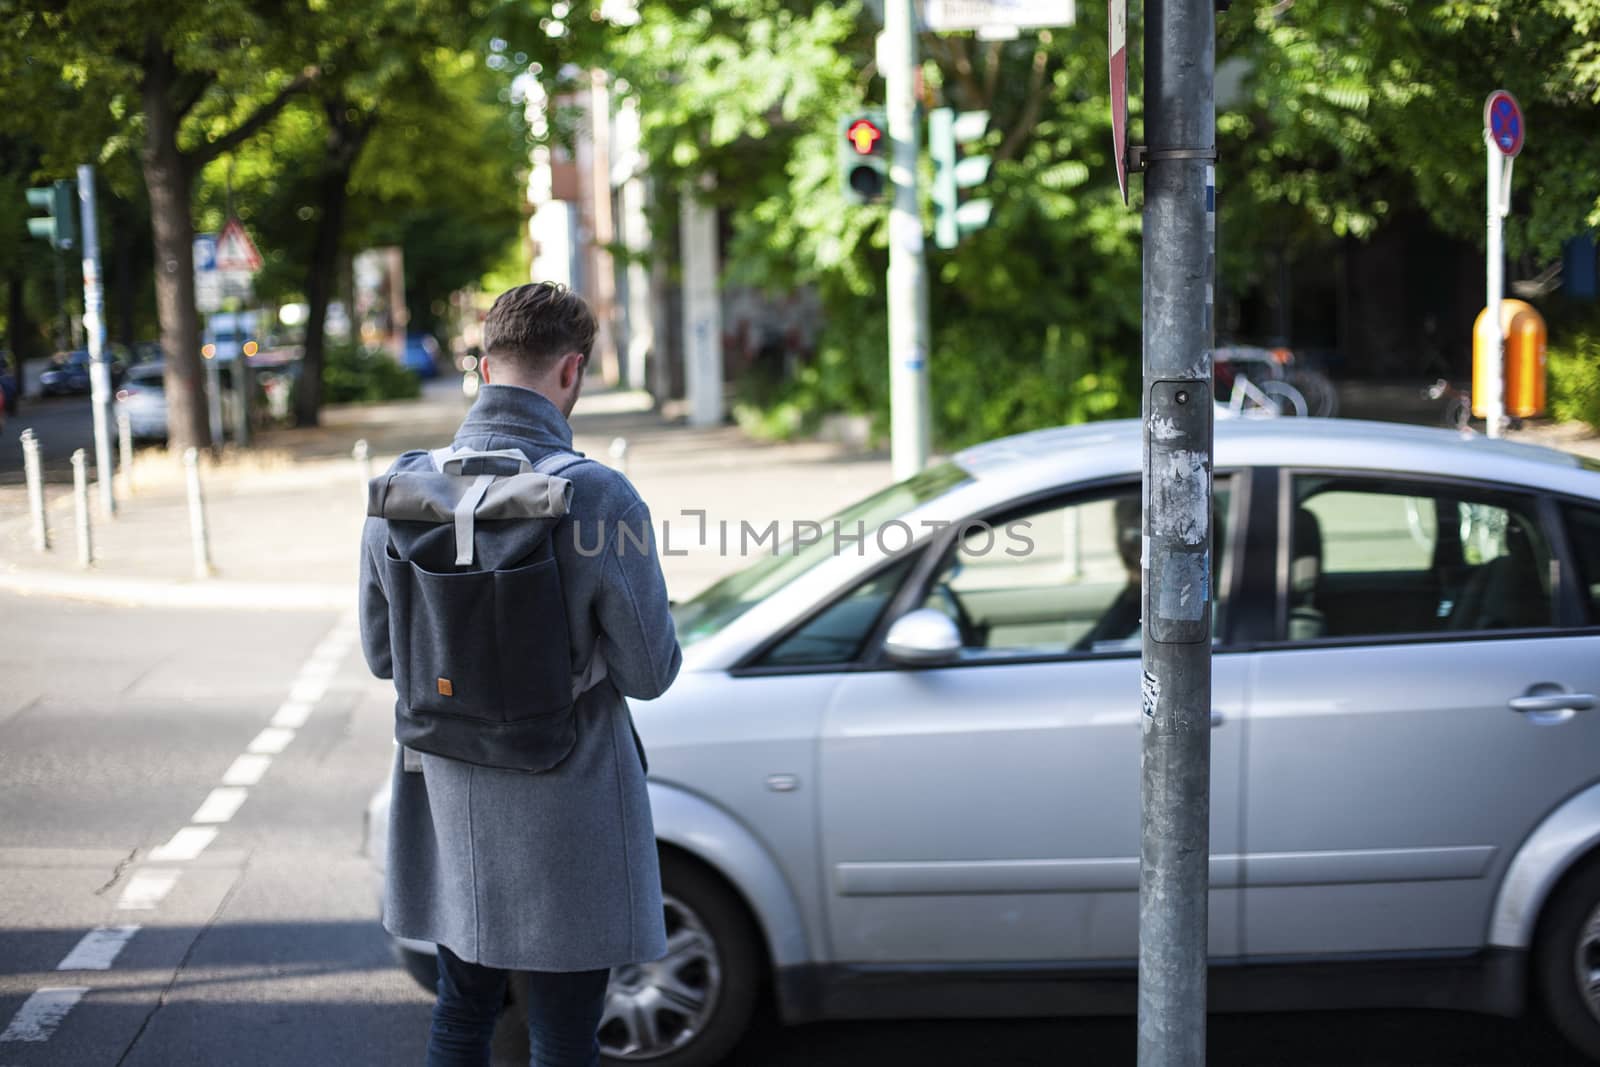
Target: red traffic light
{"x": 863, "y": 136}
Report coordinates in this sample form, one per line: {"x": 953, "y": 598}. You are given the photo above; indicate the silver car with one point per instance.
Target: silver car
{"x": 899, "y": 773}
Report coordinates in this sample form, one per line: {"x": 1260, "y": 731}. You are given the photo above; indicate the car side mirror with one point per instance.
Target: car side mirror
{"x": 922, "y": 638}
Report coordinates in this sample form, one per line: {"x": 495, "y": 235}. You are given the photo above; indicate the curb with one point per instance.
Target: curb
{"x": 201, "y": 593}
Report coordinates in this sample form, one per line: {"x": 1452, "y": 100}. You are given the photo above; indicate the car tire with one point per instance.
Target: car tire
{"x": 717, "y": 951}
{"x": 1567, "y": 959}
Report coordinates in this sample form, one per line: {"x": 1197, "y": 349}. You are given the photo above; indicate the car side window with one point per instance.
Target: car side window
{"x": 1583, "y": 530}
{"x": 837, "y": 633}
{"x": 1064, "y": 578}
{"x": 1370, "y": 557}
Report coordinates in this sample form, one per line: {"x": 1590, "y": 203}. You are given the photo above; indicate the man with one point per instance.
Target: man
{"x": 551, "y": 873}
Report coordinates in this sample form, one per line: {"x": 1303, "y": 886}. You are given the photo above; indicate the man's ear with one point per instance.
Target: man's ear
{"x": 571, "y": 368}
{"x": 483, "y": 368}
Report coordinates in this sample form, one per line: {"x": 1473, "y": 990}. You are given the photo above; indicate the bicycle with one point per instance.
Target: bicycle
{"x": 1294, "y": 385}
{"x": 1270, "y": 398}
{"x": 1457, "y": 414}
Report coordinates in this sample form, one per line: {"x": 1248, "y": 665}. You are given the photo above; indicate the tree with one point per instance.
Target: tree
{"x": 1357, "y": 108}
{"x": 187, "y": 82}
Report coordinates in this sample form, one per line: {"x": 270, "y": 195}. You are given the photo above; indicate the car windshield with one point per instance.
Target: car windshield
{"x": 736, "y": 594}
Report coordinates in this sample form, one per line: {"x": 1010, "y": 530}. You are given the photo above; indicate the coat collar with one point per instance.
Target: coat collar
{"x": 511, "y": 409}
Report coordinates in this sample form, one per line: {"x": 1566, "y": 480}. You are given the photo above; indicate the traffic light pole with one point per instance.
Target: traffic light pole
{"x": 94, "y": 325}
{"x": 1179, "y": 234}
{"x": 909, "y": 422}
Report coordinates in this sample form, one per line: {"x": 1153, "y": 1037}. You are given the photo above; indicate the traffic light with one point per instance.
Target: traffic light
{"x": 947, "y": 131}
{"x": 864, "y": 157}
{"x": 57, "y": 225}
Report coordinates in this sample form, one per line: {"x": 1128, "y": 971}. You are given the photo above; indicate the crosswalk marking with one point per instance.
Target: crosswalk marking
{"x": 98, "y": 949}
{"x": 41, "y": 1013}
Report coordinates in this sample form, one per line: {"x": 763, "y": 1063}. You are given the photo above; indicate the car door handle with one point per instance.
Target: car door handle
{"x": 1217, "y": 718}
{"x": 1553, "y": 702}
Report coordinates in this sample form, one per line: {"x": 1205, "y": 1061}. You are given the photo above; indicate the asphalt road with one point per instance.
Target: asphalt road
{"x": 121, "y": 735}
{"x": 61, "y": 423}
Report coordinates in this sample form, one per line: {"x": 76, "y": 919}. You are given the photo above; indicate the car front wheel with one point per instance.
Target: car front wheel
{"x": 1568, "y": 960}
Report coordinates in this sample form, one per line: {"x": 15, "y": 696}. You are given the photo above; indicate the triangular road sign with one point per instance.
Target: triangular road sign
{"x": 235, "y": 250}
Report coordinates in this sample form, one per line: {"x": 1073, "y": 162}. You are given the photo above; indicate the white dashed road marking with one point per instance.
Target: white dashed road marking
{"x": 221, "y": 804}
{"x": 246, "y": 770}
{"x": 292, "y": 715}
{"x": 186, "y": 844}
{"x": 41, "y": 1013}
{"x": 147, "y": 888}
{"x": 98, "y": 949}
{"x": 271, "y": 741}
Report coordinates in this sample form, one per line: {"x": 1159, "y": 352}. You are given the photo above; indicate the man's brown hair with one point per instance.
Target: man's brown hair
{"x": 534, "y": 325}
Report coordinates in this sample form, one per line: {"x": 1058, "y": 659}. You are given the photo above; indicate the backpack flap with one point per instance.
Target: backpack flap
{"x": 426, "y": 496}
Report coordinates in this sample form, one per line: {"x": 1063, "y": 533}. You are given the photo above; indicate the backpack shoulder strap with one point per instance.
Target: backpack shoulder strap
{"x": 558, "y": 461}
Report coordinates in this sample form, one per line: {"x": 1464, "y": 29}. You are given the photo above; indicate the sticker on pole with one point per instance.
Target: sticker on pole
{"x": 1117, "y": 11}
{"x": 1502, "y": 120}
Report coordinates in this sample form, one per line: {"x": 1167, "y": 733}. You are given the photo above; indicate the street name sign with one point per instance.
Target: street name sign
{"x": 940, "y": 16}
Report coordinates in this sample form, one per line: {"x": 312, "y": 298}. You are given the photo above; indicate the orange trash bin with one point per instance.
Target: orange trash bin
{"x": 1523, "y": 373}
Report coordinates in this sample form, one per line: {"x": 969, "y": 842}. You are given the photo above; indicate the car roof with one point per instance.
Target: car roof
{"x": 1107, "y": 449}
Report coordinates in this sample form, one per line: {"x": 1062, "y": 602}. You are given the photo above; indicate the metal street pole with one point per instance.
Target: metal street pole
{"x": 1493, "y": 376}
{"x": 909, "y": 424}
{"x": 1179, "y": 237}
{"x": 94, "y": 324}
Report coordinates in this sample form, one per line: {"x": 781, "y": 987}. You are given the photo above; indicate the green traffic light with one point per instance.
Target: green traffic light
{"x": 58, "y": 225}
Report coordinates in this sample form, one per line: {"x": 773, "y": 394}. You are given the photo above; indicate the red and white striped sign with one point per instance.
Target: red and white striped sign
{"x": 1118, "y": 20}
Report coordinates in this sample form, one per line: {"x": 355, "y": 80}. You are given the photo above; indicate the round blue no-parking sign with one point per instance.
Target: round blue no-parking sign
{"x": 1502, "y": 118}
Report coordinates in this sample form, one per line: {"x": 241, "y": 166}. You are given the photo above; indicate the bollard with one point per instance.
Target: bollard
{"x": 197, "y": 514}
{"x": 363, "y": 458}
{"x": 619, "y": 454}
{"x": 80, "y": 506}
{"x": 125, "y": 444}
{"x": 30, "y": 465}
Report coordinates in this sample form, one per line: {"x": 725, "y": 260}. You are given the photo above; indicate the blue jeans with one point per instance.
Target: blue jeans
{"x": 563, "y": 1014}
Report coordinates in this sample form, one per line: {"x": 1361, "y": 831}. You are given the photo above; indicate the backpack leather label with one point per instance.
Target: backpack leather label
{"x": 445, "y": 688}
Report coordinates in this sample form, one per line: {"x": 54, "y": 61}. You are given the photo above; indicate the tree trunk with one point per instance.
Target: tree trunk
{"x": 168, "y": 179}
{"x": 21, "y": 344}
{"x": 121, "y": 288}
{"x": 345, "y": 140}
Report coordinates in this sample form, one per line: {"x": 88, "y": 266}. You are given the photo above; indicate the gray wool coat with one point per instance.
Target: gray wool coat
{"x": 555, "y": 870}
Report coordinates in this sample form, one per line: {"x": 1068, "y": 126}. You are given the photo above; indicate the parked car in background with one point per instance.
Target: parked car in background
{"x": 227, "y": 333}
{"x": 422, "y": 355}
{"x": 9, "y": 391}
{"x": 69, "y": 374}
{"x": 901, "y": 777}
{"x": 143, "y": 398}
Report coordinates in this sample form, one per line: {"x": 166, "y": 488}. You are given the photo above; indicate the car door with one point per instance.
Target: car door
{"x": 1415, "y": 717}
{"x": 986, "y": 811}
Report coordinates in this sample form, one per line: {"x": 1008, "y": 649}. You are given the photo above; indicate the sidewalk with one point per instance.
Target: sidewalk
{"x": 285, "y": 519}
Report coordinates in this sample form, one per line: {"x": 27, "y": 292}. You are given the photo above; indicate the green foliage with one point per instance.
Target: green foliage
{"x": 1035, "y": 319}
{"x": 1353, "y": 108}
{"x": 1574, "y": 374}
{"x": 358, "y": 375}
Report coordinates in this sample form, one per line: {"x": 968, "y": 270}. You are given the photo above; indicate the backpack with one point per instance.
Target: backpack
{"x": 477, "y": 619}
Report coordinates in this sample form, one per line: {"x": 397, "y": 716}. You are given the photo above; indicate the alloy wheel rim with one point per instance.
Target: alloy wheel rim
{"x": 654, "y": 1009}
{"x": 1587, "y": 961}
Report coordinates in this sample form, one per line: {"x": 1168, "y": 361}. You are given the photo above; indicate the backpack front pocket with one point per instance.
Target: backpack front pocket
{"x": 485, "y": 645}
